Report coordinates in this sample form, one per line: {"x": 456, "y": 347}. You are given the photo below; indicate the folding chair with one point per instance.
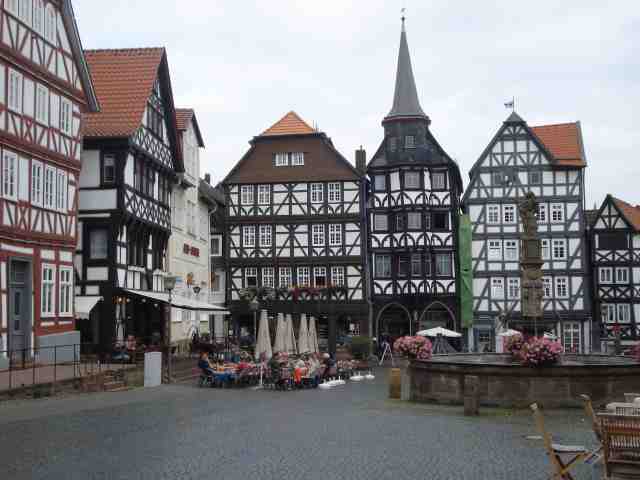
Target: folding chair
{"x": 595, "y": 425}
{"x": 559, "y": 465}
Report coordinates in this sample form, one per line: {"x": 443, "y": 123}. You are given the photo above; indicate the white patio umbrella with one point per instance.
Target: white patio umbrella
{"x": 263, "y": 345}
{"x": 278, "y": 344}
{"x": 434, "y": 332}
{"x": 313, "y": 336}
{"x": 509, "y": 333}
{"x": 303, "y": 335}
{"x": 290, "y": 338}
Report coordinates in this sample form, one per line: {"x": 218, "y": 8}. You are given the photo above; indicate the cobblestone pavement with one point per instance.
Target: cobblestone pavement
{"x": 350, "y": 432}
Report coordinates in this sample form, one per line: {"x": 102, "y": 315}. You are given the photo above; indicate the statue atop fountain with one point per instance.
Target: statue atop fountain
{"x": 530, "y": 262}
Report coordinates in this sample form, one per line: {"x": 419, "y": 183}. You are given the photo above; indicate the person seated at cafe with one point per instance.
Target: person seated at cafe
{"x": 205, "y": 365}
{"x": 328, "y": 363}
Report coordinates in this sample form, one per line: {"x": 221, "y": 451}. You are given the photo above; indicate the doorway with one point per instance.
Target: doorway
{"x": 19, "y": 307}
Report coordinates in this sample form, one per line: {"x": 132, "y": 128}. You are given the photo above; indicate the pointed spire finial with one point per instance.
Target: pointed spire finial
{"x": 403, "y": 10}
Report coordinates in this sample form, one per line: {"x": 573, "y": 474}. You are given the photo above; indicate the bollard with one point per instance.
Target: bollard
{"x": 394, "y": 383}
{"x": 471, "y": 395}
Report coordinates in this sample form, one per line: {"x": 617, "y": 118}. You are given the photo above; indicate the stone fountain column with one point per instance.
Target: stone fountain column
{"x": 530, "y": 264}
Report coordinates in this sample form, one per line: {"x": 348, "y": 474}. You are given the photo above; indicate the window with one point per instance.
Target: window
{"x": 497, "y": 178}
{"x": 608, "y": 313}
{"x": 284, "y": 277}
{"x": 440, "y": 221}
{"x": 427, "y": 222}
{"x": 191, "y": 218}
{"x": 282, "y": 159}
{"x": 246, "y": 195}
{"x": 303, "y": 276}
{"x": 511, "y": 250}
{"x": 155, "y": 124}
{"x": 267, "y": 277}
{"x": 622, "y": 275}
{"x": 335, "y": 235}
{"x": 562, "y": 287}
{"x": 557, "y": 212}
{"x": 493, "y": 214}
{"x": 380, "y": 183}
{"x": 50, "y": 24}
{"x": 248, "y": 236}
{"x": 416, "y": 264}
{"x": 380, "y": 222}
{"x": 383, "y": 266}
{"x": 216, "y": 246}
{"x": 66, "y": 289}
{"x": 624, "y": 313}
{"x": 38, "y": 16}
{"x": 9, "y": 175}
{"x": 559, "y": 249}
{"x": 401, "y": 222}
{"x": 138, "y": 174}
{"x": 15, "y": 91}
{"x": 319, "y": 277}
{"x": 251, "y": 277}
{"x": 409, "y": 142}
{"x": 337, "y": 276}
{"x": 264, "y": 194}
{"x": 403, "y": 266}
{"x": 297, "y": 158}
{"x": 494, "y": 250}
{"x": 571, "y": 337}
{"x": 109, "y": 169}
{"x": 42, "y": 104}
{"x": 215, "y": 282}
{"x": 535, "y": 178}
{"x": 317, "y": 193}
{"x": 150, "y": 186}
{"x": 49, "y": 186}
{"x": 317, "y": 235}
{"x": 48, "y": 288}
{"x": 414, "y": 220}
{"x": 412, "y": 180}
{"x": 427, "y": 264}
{"x": 61, "y": 190}
{"x": 334, "y": 192}
{"x": 509, "y": 213}
{"x": 612, "y": 241}
{"x": 393, "y": 144}
{"x": 98, "y": 244}
{"x": 66, "y": 113}
{"x": 265, "y": 236}
{"x": 545, "y": 251}
{"x": 547, "y": 287}
{"x": 513, "y": 288}
{"x": 36, "y": 183}
{"x": 497, "y": 288}
{"x": 443, "y": 265}
{"x": 605, "y": 274}
{"x": 438, "y": 181}
{"x": 542, "y": 213}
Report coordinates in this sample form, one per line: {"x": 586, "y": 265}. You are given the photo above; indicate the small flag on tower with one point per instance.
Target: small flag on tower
{"x": 511, "y": 104}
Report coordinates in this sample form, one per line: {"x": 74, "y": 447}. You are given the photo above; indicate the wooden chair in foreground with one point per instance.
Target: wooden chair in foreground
{"x": 595, "y": 422}
{"x": 621, "y": 445}
{"x": 563, "y": 457}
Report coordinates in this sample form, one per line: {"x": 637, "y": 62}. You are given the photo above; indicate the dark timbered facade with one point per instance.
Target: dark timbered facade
{"x": 293, "y": 231}
{"x": 412, "y": 218}
{"x": 44, "y": 89}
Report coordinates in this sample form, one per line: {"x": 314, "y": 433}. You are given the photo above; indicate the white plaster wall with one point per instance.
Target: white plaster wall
{"x": 90, "y": 172}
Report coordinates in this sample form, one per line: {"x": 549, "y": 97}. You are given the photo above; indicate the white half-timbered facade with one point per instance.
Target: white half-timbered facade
{"x": 548, "y": 161}
{"x": 44, "y": 90}
{"x": 615, "y": 260}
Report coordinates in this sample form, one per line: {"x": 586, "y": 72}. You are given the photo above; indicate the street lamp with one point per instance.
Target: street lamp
{"x": 169, "y": 285}
{"x": 254, "y": 306}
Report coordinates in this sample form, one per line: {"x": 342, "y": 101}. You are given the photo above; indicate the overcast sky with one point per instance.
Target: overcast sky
{"x": 242, "y": 65}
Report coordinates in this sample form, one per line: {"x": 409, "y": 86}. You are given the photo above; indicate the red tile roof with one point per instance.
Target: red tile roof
{"x": 564, "y": 141}
{"x": 123, "y": 81}
{"x": 631, "y": 213}
{"x": 290, "y": 124}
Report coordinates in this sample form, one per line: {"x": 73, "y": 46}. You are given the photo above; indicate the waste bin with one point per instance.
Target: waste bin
{"x": 152, "y": 369}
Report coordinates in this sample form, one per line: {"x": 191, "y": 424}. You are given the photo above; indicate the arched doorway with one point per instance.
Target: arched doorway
{"x": 393, "y": 321}
{"x": 437, "y": 314}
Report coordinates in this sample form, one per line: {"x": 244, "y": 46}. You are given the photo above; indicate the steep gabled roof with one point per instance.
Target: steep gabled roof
{"x": 629, "y": 212}
{"x": 564, "y": 141}
{"x": 290, "y": 124}
{"x": 210, "y": 193}
{"x": 183, "y": 117}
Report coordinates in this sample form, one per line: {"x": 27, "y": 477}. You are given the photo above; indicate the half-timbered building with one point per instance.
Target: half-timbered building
{"x": 131, "y": 160}
{"x": 412, "y": 218}
{"x": 549, "y": 161}
{"x": 615, "y": 261}
{"x": 293, "y": 230}
{"x": 44, "y": 89}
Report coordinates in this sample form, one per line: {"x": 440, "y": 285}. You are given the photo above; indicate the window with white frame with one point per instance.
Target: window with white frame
{"x": 392, "y": 143}
{"x": 559, "y": 249}
{"x": 379, "y": 183}
{"x": 335, "y": 235}
{"x": 438, "y": 181}
{"x": 36, "y": 183}
{"x": 547, "y": 287}
{"x": 509, "y": 213}
{"x": 303, "y": 276}
{"x": 542, "y": 213}
{"x": 50, "y": 30}
{"x": 562, "y": 287}
{"x": 66, "y": 116}
{"x": 319, "y": 277}
{"x": 382, "y": 266}
{"x": 317, "y": 193}
{"x": 333, "y": 192}
{"x": 535, "y": 178}
{"x": 511, "y": 250}
{"x": 48, "y": 289}
{"x": 15, "y": 91}
{"x": 495, "y": 250}
{"x": 414, "y": 220}
{"x": 216, "y": 246}
{"x": 98, "y": 243}
{"x": 557, "y": 212}
{"x": 409, "y": 142}
{"x": 246, "y": 195}
{"x": 49, "y": 186}
{"x": 444, "y": 267}
{"x": 624, "y": 313}
{"x": 61, "y": 190}
{"x": 9, "y": 175}
{"x": 380, "y": 222}
{"x": 412, "y": 179}
{"x": 337, "y": 276}
{"x": 38, "y": 16}
{"x": 605, "y": 274}
{"x": 250, "y": 277}
{"x": 608, "y": 313}
{"x": 622, "y": 275}
{"x": 42, "y": 104}
{"x": 265, "y": 236}
{"x": 513, "y": 288}
{"x": 264, "y": 194}
{"x": 297, "y": 158}
{"x": 281, "y": 159}
{"x": 571, "y": 337}
{"x": 248, "y": 236}
{"x": 66, "y": 289}
{"x": 317, "y": 235}
{"x": 284, "y": 277}
{"x": 267, "y": 277}
{"x": 497, "y": 288}
{"x": 545, "y": 249}
{"x": 493, "y": 214}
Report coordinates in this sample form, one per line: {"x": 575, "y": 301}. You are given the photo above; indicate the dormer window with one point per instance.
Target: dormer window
{"x": 109, "y": 169}
{"x": 297, "y": 158}
{"x": 285, "y": 159}
{"x": 379, "y": 183}
{"x": 282, "y": 159}
{"x": 410, "y": 142}
{"x": 393, "y": 146}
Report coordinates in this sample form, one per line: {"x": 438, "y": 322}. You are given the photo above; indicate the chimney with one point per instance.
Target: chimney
{"x": 207, "y": 178}
{"x": 361, "y": 160}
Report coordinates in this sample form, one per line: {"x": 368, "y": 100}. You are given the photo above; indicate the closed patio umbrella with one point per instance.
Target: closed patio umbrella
{"x": 313, "y": 336}
{"x": 290, "y": 338}
{"x": 303, "y": 335}
{"x": 263, "y": 345}
{"x": 278, "y": 344}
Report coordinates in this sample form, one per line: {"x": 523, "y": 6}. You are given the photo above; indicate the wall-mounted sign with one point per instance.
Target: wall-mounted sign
{"x": 189, "y": 250}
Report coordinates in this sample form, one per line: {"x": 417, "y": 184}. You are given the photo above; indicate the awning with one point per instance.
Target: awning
{"x": 180, "y": 302}
{"x": 84, "y": 305}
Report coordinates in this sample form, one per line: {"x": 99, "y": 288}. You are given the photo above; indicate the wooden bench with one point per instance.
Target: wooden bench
{"x": 621, "y": 445}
